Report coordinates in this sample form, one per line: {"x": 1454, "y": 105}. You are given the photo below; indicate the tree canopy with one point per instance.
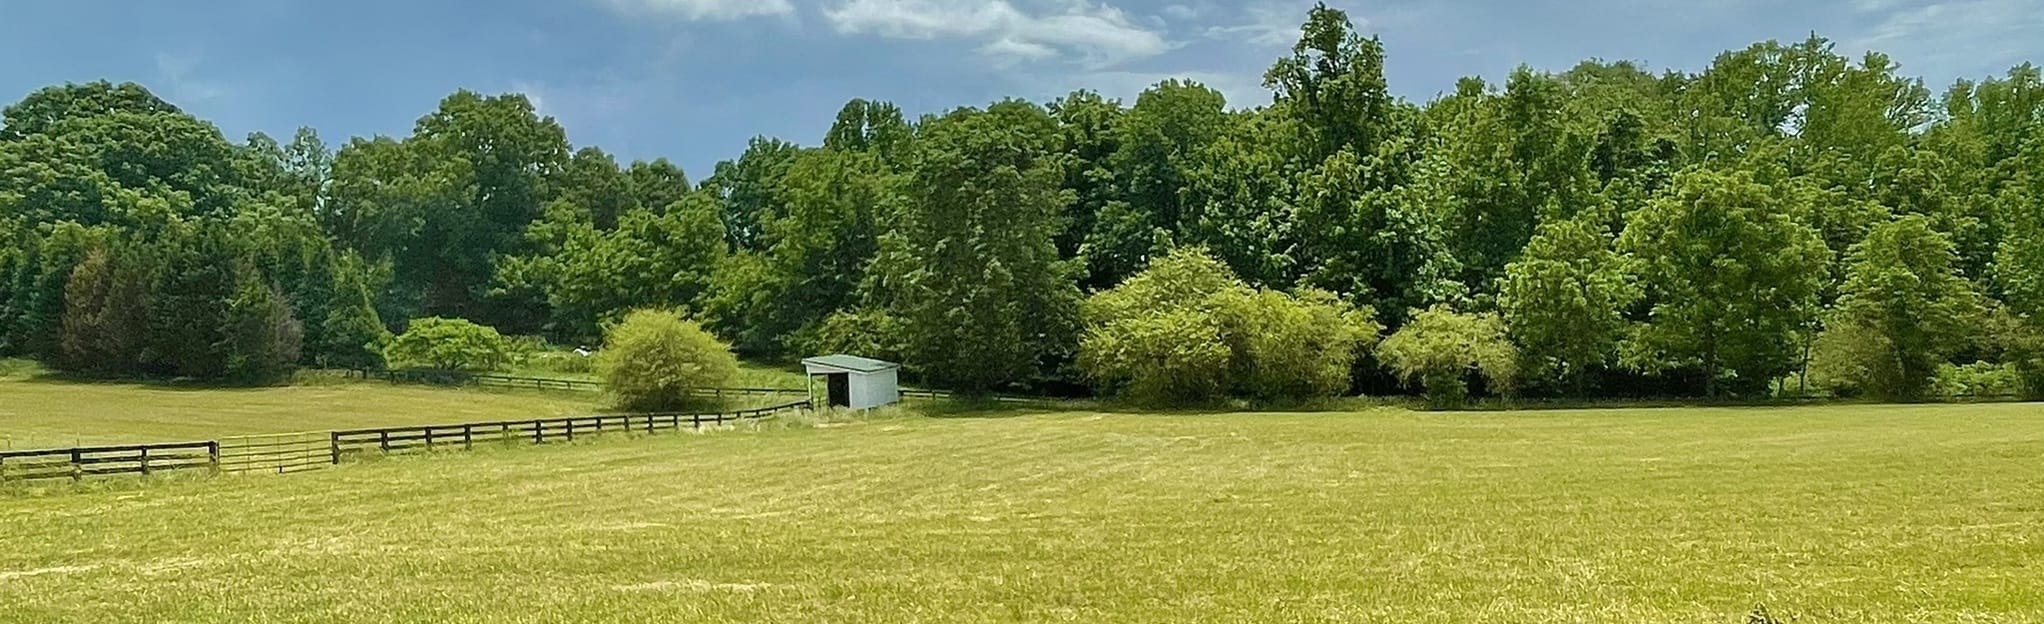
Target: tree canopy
{"x": 1781, "y": 212}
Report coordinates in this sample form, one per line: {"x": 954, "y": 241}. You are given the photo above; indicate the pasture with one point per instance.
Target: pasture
{"x": 39, "y": 412}
{"x": 1822, "y": 514}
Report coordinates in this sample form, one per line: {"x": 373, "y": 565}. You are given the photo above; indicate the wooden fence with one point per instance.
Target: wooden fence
{"x": 87, "y": 461}
{"x": 299, "y": 452}
{"x": 344, "y": 444}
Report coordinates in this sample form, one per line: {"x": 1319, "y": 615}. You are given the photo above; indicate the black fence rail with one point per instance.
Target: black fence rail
{"x": 86, "y": 461}
{"x": 299, "y": 452}
{"x": 342, "y": 445}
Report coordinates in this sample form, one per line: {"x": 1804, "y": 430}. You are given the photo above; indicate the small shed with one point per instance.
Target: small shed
{"x": 852, "y": 381}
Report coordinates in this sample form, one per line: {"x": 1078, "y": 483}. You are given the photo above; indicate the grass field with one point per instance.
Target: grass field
{"x": 40, "y": 412}
{"x": 1824, "y": 514}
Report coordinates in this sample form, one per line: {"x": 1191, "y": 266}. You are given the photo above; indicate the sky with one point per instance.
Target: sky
{"x": 692, "y": 80}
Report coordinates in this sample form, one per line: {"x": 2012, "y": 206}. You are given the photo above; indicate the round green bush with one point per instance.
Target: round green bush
{"x": 651, "y": 360}
{"x": 447, "y": 344}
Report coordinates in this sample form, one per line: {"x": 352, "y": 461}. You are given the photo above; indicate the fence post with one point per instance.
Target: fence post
{"x": 334, "y": 446}
{"x": 538, "y": 431}
{"x": 77, "y": 465}
{"x": 383, "y": 440}
{"x": 571, "y": 429}
{"x": 145, "y": 461}
{"x": 213, "y": 456}
{"x": 468, "y": 437}
{"x": 429, "y": 438}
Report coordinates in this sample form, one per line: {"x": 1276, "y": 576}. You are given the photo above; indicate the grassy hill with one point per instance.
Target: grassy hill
{"x": 41, "y": 412}
{"x": 1828, "y": 514}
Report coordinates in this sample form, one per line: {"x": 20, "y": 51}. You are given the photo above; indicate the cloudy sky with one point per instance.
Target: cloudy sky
{"x": 693, "y": 79}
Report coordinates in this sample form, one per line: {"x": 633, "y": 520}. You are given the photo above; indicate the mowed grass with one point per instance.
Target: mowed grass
{"x": 42, "y": 412}
{"x": 1824, "y": 514}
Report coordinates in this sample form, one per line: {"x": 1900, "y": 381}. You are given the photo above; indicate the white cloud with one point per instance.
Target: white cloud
{"x": 701, "y": 10}
{"x": 1182, "y": 11}
{"x": 1097, "y": 34}
{"x": 1270, "y": 25}
{"x": 175, "y": 70}
{"x": 1943, "y": 37}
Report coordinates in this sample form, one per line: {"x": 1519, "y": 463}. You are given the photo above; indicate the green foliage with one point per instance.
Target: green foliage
{"x": 985, "y": 299}
{"x": 961, "y": 243}
{"x": 353, "y": 334}
{"x": 1565, "y": 302}
{"x": 188, "y": 321}
{"x": 1185, "y": 330}
{"x": 1904, "y": 309}
{"x": 1730, "y": 276}
{"x": 1441, "y": 348}
{"x": 1291, "y": 347}
{"x": 660, "y": 257}
{"x": 263, "y": 339}
{"x": 1159, "y": 337}
{"x": 1976, "y": 380}
{"x": 652, "y": 359}
{"x": 447, "y": 344}
{"x": 773, "y": 301}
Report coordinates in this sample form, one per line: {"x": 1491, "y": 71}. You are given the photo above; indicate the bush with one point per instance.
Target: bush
{"x": 1186, "y": 331}
{"x": 652, "y": 359}
{"x": 1296, "y": 347}
{"x": 1977, "y": 380}
{"x": 1440, "y": 348}
{"x": 446, "y": 344}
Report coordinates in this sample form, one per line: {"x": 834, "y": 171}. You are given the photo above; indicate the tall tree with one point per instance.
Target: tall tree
{"x": 1731, "y": 280}
{"x": 749, "y": 189}
{"x": 1905, "y": 306}
{"x": 491, "y": 158}
{"x": 1565, "y": 302}
{"x": 986, "y": 299}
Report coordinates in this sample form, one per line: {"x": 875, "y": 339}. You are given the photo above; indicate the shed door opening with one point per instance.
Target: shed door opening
{"x": 840, "y": 389}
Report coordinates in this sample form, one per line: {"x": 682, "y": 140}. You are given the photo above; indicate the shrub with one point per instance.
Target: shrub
{"x": 1185, "y": 330}
{"x": 1440, "y": 348}
{"x": 651, "y": 359}
{"x": 1293, "y": 347}
{"x": 1979, "y": 379}
{"x": 446, "y": 344}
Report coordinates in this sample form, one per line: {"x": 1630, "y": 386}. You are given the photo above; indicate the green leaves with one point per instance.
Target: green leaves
{"x": 1440, "y": 348}
{"x": 652, "y": 359}
{"x": 1904, "y": 310}
{"x": 446, "y": 344}
{"x": 1565, "y": 302}
{"x": 1730, "y": 279}
{"x": 1185, "y": 330}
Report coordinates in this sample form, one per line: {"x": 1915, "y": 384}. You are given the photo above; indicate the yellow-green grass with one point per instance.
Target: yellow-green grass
{"x": 750, "y": 375}
{"x": 1825, "y": 514}
{"x": 42, "y": 412}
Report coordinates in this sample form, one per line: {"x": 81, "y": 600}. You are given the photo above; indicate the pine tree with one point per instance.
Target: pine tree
{"x": 351, "y": 335}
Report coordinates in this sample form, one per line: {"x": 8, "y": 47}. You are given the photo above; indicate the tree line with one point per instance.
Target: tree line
{"x": 1787, "y": 219}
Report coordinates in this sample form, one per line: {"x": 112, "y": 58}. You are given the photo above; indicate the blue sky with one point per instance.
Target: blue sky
{"x": 693, "y": 79}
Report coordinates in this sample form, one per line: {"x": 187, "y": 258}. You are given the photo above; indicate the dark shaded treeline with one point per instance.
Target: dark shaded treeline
{"x": 1786, "y": 218}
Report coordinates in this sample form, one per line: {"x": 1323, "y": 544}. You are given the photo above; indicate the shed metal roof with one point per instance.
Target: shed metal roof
{"x": 850, "y": 363}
